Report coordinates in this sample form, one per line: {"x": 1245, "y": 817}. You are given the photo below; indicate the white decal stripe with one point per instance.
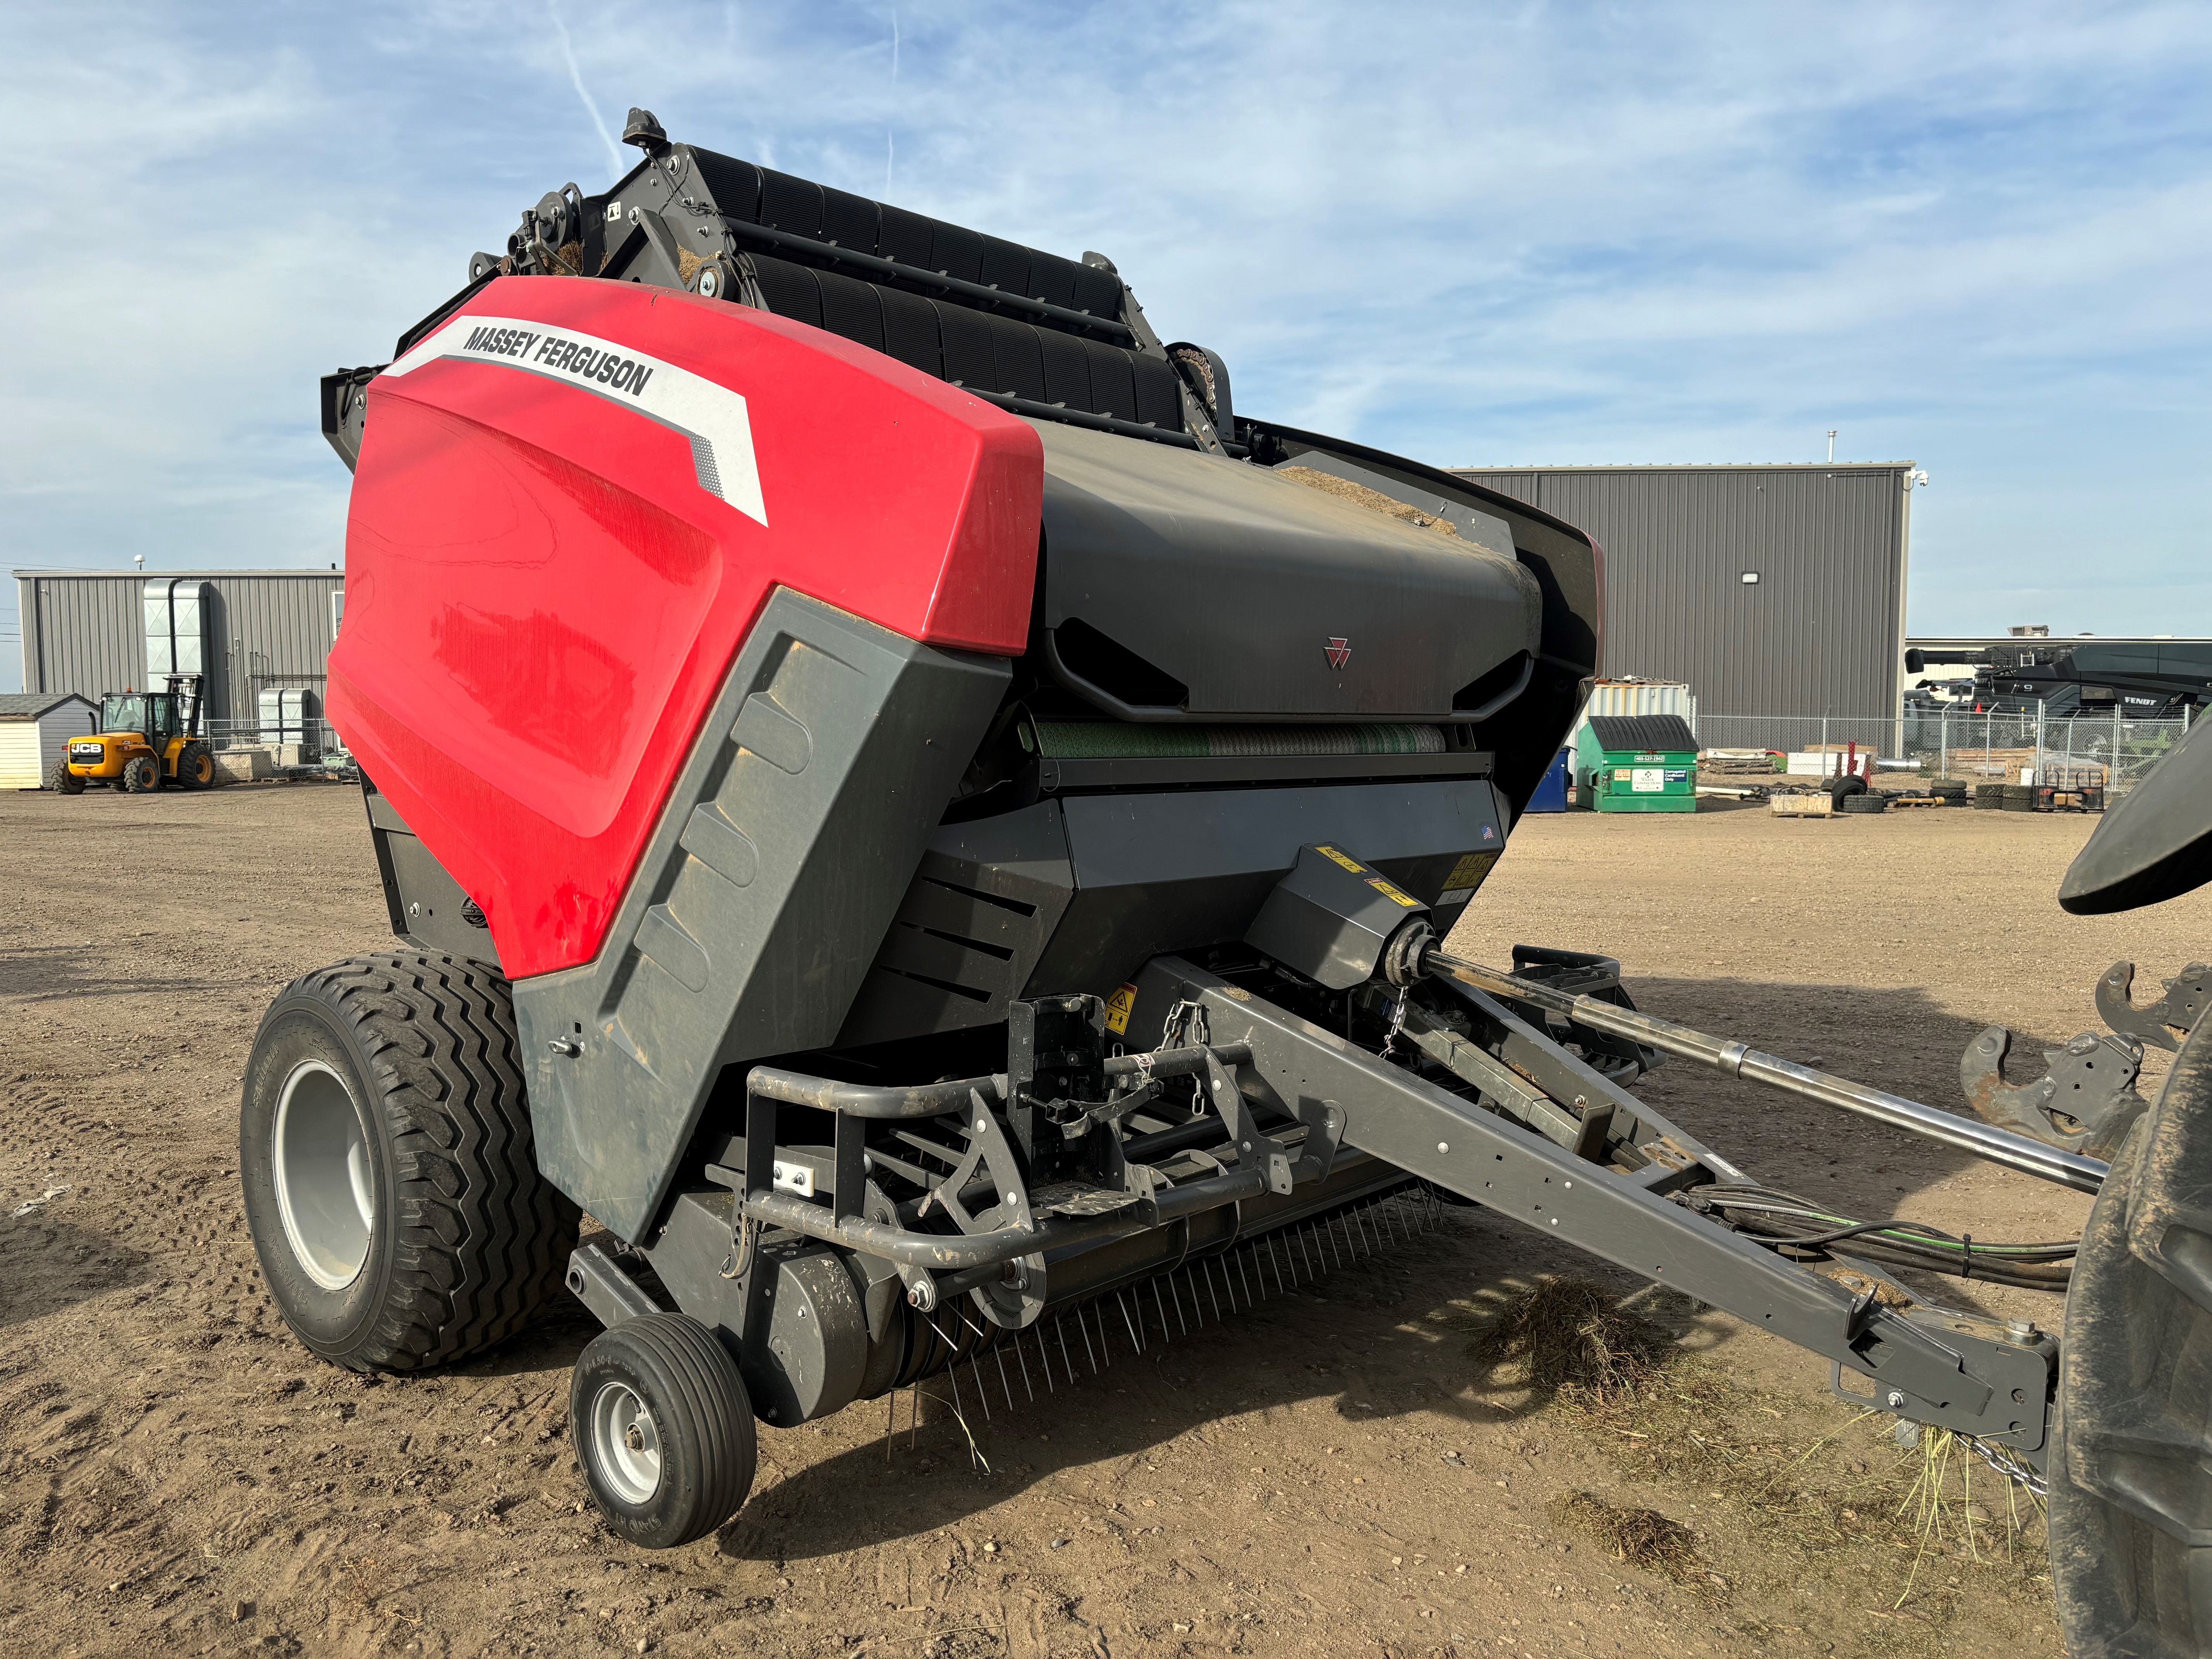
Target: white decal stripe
{"x": 713, "y": 418}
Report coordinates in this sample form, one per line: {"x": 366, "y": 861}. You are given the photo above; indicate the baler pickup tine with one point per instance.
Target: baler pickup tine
{"x": 1136, "y": 1341}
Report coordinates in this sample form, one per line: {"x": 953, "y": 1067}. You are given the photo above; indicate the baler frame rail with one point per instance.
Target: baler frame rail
{"x": 1509, "y": 1118}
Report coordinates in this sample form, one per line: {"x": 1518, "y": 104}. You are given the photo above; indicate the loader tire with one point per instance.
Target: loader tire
{"x": 663, "y": 1429}
{"x": 195, "y": 767}
{"x": 142, "y": 775}
{"x": 62, "y": 780}
{"x": 2130, "y": 1505}
{"x": 385, "y": 1150}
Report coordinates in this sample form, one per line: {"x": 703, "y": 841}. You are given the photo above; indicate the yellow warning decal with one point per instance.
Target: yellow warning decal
{"x": 1470, "y": 871}
{"x": 1344, "y": 858}
{"x": 1119, "y": 1006}
{"x": 1393, "y": 893}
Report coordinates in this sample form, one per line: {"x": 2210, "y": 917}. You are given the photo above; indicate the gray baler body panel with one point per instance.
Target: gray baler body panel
{"x": 1077, "y": 894}
{"x": 1234, "y": 581}
{"x": 785, "y": 848}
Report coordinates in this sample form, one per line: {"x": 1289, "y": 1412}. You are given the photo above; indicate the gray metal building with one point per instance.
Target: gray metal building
{"x": 89, "y": 632}
{"x": 1768, "y": 590}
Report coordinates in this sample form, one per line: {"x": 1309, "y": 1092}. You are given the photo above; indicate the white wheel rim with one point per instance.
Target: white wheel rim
{"x": 625, "y": 1442}
{"x": 324, "y": 1190}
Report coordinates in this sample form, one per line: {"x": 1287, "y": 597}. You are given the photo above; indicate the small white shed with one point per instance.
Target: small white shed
{"x": 35, "y": 727}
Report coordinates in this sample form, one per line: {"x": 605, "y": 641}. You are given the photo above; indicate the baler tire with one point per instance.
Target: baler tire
{"x": 2130, "y": 1509}
{"x": 142, "y": 775}
{"x": 699, "y": 1419}
{"x": 63, "y": 781}
{"x": 465, "y": 1239}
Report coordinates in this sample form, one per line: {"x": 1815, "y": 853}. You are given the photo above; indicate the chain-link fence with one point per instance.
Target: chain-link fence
{"x": 1976, "y": 748}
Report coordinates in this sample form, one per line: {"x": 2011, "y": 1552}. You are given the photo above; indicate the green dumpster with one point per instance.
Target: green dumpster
{"x": 1637, "y": 763}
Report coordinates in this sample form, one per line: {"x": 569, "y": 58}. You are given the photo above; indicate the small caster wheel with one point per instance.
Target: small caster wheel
{"x": 663, "y": 1428}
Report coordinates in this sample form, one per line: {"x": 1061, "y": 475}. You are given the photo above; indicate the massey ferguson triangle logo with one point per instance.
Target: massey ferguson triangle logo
{"x": 1338, "y": 650}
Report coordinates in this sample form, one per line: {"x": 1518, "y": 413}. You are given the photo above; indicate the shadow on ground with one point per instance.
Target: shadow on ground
{"x": 52, "y": 1263}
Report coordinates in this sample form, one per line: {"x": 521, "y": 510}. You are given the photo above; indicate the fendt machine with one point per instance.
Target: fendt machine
{"x": 975, "y": 823}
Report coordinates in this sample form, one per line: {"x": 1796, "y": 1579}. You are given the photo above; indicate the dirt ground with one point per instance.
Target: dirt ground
{"x": 1334, "y": 1472}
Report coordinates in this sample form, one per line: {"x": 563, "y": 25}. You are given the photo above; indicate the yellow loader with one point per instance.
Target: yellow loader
{"x": 145, "y": 739}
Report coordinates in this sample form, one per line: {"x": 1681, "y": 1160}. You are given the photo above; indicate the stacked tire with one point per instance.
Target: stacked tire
{"x": 1950, "y": 791}
{"x": 1989, "y": 797}
{"x": 2018, "y": 797}
{"x": 1866, "y": 801}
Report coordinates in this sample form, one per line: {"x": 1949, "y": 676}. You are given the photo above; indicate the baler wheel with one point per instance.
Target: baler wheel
{"x": 385, "y": 1150}
{"x": 664, "y": 1429}
{"x": 2130, "y": 1506}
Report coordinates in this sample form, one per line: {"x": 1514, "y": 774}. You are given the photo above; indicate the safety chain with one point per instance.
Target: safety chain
{"x": 2009, "y": 1464}
{"x": 1397, "y": 1023}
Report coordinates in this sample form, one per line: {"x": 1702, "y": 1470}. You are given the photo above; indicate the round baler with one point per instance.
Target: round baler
{"x": 962, "y": 889}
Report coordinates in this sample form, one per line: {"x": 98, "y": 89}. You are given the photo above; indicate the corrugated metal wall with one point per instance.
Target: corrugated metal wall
{"x": 1821, "y": 633}
{"x": 83, "y": 633}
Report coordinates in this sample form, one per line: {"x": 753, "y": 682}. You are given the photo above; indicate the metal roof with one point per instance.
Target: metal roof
{"x": 29, "y": 705}
{"x": 2046, "y": 641}
{"x": 191, "y": 575}
{"x": 1704, "y": 467}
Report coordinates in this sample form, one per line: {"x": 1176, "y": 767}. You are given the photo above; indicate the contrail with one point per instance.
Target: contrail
{"x": 576, "y": 80}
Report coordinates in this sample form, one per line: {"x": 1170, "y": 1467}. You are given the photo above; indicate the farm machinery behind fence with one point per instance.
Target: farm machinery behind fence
{"x": 965, "y": 884}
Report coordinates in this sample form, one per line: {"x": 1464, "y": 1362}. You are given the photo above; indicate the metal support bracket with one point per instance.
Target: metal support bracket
{"x": 2163, "y": 1024}
{"x": 1956, "y": 1380}
{"x": 2085, "y": 1103}
{"x": 612, "y": 1295}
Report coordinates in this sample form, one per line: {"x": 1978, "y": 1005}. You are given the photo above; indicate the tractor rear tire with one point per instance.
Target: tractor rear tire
{"x": 2130, "y": 1507}
{"x": 195, "y": 767}
{"x": 62, "y": 780}
{"x": 390, "y": 1183}
{"x": 142, "y": 775}
{"x": 663, "y": 1429}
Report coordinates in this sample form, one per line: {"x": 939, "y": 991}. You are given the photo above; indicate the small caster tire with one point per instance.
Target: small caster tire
{"x": 663, "y": 1429}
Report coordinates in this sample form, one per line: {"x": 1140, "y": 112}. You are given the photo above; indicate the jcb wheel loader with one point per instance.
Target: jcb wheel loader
{"x": 980, "y": 836}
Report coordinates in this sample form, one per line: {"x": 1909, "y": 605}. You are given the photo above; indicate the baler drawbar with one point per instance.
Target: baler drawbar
{"x": 976, "y": 820}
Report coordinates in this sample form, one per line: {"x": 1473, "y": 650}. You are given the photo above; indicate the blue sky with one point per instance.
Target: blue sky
{"x": 1976, "y": 237}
